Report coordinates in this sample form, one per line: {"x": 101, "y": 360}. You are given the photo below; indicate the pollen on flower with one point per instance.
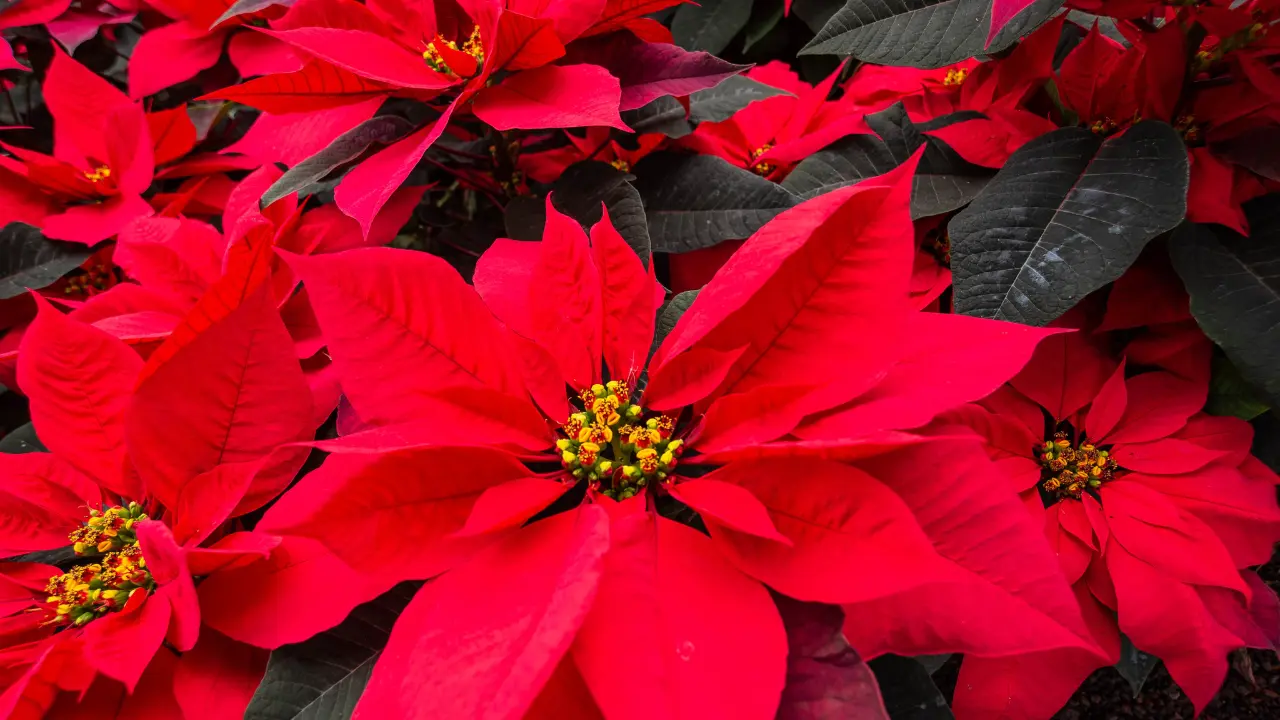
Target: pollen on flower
{"x": 1105, "y": 126}
{"x": 472, "y": 46}
{"x": 613, "y": 446}
{"x": 1070, "y": 469}
{"x": 762, "y": 168}
{"x": 955, "y": 76}
{"x": 621, "y": 164}
{"x": 98, "y": 174}
{"x": 89, "y": 591}
{"x": 1187, "y": 127}
{"x": 92, "y": 281}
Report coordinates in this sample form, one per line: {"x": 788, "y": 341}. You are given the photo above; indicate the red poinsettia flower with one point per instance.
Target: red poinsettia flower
{"x": 1154, "y": 508}
{"x": 772, "y": 410}
{"x": 422, "y": 50}
{"x": 147, "y": 462}
{"x": 193, "y": 41}
{"x": 770, "y": 136}
{"x": 595, "y": 144}
{"x": 102, "y": 161}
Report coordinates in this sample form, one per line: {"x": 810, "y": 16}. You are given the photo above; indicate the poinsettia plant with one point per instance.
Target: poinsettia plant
{"x": 634, "y": 358}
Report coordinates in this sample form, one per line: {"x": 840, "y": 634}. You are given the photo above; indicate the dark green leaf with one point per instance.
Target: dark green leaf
{"x": 908, "y": 690}
{"x": 709, "y": 25}
{"x": 761, "y": 23}
{"x": 816, "y": 13}
{"x": 322, "y": 678}
{"x": 921, "y": 33}
{"x": 1230, "y": 394}
{"x": 669, "y": 315}
{"x": 943, "y": 182}
{"x": 345, "y": 148}
{"x": 696, "y": 201}
{"x": 244, "y": 7}
{"x": 664, "y": 115}
{"x": 578, "y": 193}
{"x": 22, "y": 440}
{"x": 826, "y": 678}
{"x": 1135, "y": 665}
{"x": 1234, "y": 284}
{"x": 28, "y": 260}
{"x": 724, "y": 100}
{"x": 63, "y": 557}
{"x": 1067, "y": 214}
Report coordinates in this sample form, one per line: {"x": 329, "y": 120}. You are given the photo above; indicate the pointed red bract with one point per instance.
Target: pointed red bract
{"x": 79, "y": 381}
{"x": 685, "y": 633}
{"x": 502, "y": 622}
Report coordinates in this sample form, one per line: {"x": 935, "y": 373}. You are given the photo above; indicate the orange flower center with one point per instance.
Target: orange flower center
{"x": 613, "y": 446}
{"x": 762, "y": 168}
{"x": 1069, "y": 470}
{"x": 955, "y": 76}
{"x": 436, "y": 61}
{"x": 87, "y": 592}
{"x": 97, "y": 175}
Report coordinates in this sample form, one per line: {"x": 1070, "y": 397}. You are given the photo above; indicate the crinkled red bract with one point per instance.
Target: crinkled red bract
{"x": 1155, "y": 510}
{"x": 506, "y": 452}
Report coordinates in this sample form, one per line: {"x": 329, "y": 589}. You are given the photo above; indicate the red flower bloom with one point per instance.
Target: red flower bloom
{"x": 792, "y": 379}
{"x": 163, "y": 452}
{"x": 102, "y": 162}
{"x": 770, "y": 136}
{"x": 422, "y": 50}
{"x": 1154, "y": 508}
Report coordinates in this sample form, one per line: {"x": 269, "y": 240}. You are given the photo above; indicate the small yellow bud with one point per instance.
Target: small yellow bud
{"x": 568, "y": 457}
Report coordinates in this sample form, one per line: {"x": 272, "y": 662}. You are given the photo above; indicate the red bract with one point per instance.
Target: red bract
{"x": 102, "y": 162}
{"x": 770, "y": 136}
{"x": 164, "y": 452}
{"x": 193, "y": 41}
{"x": 1155, "y": 511}
{"x": 602, "y": 603}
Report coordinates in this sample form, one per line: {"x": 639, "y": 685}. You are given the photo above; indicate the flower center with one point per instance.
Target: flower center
{"x": 472, "y": 46}
{"x": 762, "y": 168}
{"x": 1070, "y": 469}
{"x": 98, "y": 174}
{"x": 955, "y": 76}
{"x": 93, "y": 280}
{"x": 621, "y": 164}
{"x": 613, "y": 446}
{"x": 87, "y": 592}
{"x": 1187, "y": 127}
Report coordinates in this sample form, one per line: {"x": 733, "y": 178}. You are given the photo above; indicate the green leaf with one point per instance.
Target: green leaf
{"x": 943, "y": 182}
{"x": 28, "y": 260}
{"x": 921, "y": 33}
{"x": 664, "y": 115}
{"x": 696, "y": 201}
{"x": 242, "y": 7}
{"x": 1230, "y": 394}
{"x": 734, "y": 93}
{"x": 908, "y": 691}
{"x": 22, "y": 440}
{"x": 1068, "y": 213}
{"x": 1135, "y": 666}
{"x": 669, "y": 315}
{"x": 762, "y": 23}
{"x": 710, "y": 25}
{"x": 1234, "y": 283}
{"x": 323, "y": 678}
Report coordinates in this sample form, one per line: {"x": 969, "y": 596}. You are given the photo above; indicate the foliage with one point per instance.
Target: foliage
{"x": 633, "y": 358}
